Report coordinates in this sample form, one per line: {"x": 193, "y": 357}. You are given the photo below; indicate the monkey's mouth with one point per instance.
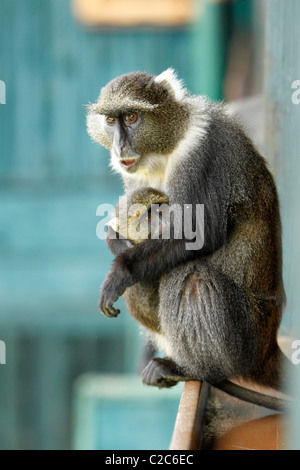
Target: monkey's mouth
{"x": 128, "y": 162}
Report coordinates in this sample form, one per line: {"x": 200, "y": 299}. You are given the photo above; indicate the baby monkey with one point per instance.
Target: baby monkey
{"x": 133, "y": 221}
{"x": 205, "y": 323}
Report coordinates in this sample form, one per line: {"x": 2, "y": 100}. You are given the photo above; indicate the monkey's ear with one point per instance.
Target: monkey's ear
{"x": 169, "y": 79}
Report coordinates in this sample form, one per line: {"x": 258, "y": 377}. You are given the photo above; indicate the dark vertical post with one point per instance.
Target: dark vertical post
{"x": 210, "y": 35}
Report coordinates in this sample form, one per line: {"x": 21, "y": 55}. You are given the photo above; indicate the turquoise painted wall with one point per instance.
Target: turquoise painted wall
{"x": 52, "y": 67}
{"x": 52, "y": 178}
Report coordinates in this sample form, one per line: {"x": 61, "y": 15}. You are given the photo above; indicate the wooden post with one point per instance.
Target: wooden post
{"x": 283, "y": 147}
{"x": 187, "y": 430}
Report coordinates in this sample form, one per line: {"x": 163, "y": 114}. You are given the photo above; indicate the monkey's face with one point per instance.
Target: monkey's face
{"x": 140, "y": 119}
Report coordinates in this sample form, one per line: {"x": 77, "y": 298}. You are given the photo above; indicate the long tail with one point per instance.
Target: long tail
{"x": 268, "y": 386}
{"x": 252, "y": 396}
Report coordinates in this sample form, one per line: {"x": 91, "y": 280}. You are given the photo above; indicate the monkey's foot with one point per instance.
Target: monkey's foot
{"x": 162, "y": 373}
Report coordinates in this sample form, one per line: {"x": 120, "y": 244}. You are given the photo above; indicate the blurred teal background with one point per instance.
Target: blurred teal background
{"x": 52, "y": 179}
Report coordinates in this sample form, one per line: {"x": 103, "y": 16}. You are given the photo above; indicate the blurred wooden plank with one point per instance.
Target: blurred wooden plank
{"x": 133, "y": 12}
{"x": 187, "y": 430}
{"x": 220, "y": 1}
{"x": 266, "y": 433}
{"x": 112, "y": 411}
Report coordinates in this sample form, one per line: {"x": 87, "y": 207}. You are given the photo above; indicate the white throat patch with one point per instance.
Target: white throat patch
{"x": 159, "y": 168}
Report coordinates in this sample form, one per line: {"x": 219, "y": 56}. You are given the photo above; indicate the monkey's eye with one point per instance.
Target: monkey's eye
{"x": 148, "y": 216}
{"x": 110, "y": 120}
{"x": 130, "y": 118}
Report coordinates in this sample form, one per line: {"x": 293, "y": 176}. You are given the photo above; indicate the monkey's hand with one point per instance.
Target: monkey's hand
{"x": 114, "y": 285}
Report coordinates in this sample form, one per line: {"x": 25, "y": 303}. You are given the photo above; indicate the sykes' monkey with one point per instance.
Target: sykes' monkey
{"x": 192, "y": 150}
{"x": 140, "y": 216}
